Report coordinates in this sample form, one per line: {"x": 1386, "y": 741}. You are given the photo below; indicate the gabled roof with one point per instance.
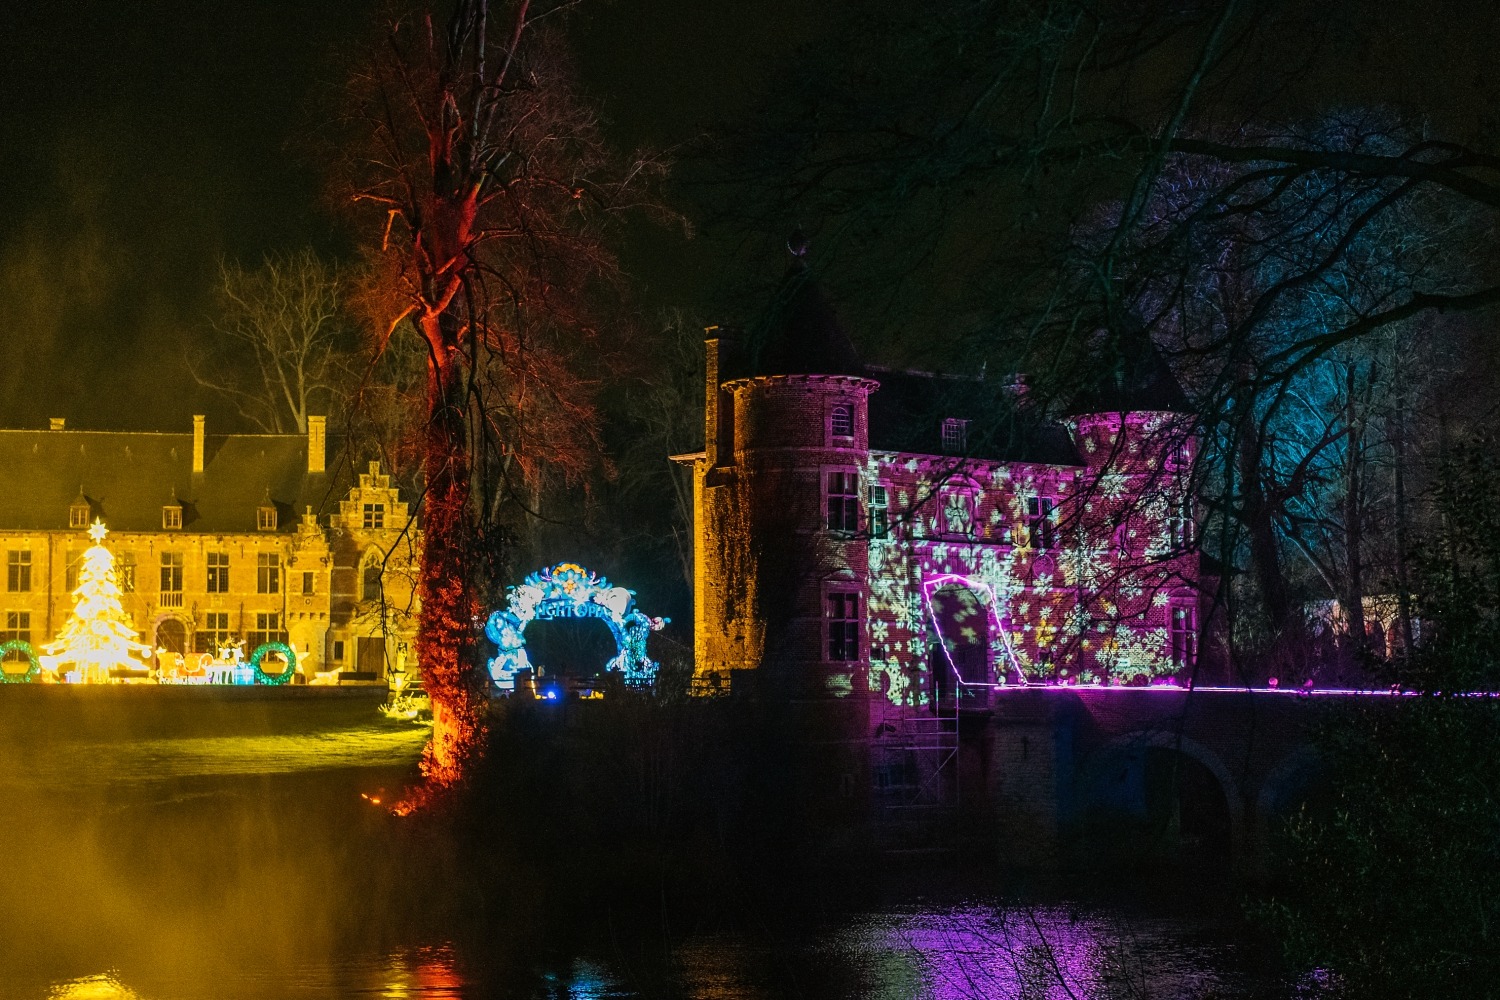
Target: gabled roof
{"x": 127, "y": 477}
{"x": 907, "y": 413}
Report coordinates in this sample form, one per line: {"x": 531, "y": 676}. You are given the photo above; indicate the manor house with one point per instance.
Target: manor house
{"x": 217, "y": 539}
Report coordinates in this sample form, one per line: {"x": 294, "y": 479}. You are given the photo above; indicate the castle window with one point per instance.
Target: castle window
{"x": 171, "y": 579}
{"x": 267, "y": 573}
{"x": 213, "y": 634}
{"x": 843, "y": 626}
{"x": 879, "y": 512}
{"x": 17, "y": 628}
{"x": 71, "y": 561}
{"x": 265, "y": 518}
{"x": 955, "y": 436}
{"x": 374, "y": 516}
{"x": 18, "y": 571}
{"x": 1183, "y": 635}
{"x": 1041, "y": 531}
{"x": 307, "y": 584}
{"x": 125, "y": 572}
{"x": 1180, "y": 457}
{"x": 958, "y": 513}
{"x": 218, "y": 572}
{"x": 78, "y": 515}
{"x": 337, "y": 655}
{"x": 171, "y": 516}
{"x": 1180, "y": 526}
{"x": 841, "y": 421}
{"x": 843, "y": 502}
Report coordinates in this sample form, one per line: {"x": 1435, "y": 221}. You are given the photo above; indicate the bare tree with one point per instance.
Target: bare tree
{"x": 281, "y": 350}
{"x": 484, "y": 189}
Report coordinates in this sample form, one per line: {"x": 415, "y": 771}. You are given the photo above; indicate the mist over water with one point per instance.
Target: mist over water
{"x": 175, "y": 845}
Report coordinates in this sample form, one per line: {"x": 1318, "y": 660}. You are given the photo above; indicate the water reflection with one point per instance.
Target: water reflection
{"x": 224, "y": 853}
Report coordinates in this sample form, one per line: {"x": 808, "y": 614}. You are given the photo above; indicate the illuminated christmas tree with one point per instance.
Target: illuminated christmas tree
{"x": 97, "y": 636}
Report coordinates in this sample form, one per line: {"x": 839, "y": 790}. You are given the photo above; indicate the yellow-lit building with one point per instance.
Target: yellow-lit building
{"x": 217, "y": 539}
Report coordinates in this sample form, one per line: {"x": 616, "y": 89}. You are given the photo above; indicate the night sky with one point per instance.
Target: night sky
{"x": 138, "y": 143}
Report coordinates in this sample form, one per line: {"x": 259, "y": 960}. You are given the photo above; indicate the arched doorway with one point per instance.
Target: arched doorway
{"x": 171, "y": 635}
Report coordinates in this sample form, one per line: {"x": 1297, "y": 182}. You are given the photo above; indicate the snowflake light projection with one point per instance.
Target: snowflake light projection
{"x": 567, "y": 590}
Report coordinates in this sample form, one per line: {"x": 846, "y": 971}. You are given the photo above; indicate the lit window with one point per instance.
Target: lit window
{"x": 1184, "y": 635}
{"x": 267, "y": 629}
{"x": 125, "y": 572}
{"x": 1180, "y": 526}
{"x": 18, "y": 571}
{"x": 955, "y": 436}
{"x": 268, "y": 573}
{"x": 17, "y": 628}
{"x": 843, "y": 502}
{"x": 843, "y": 626}
{"x": 958, "y": 512}
{"x": 374, "y": 516}
{"x": 307, "y": 584}
{"x": 218, "y": 572}
{"x": 171, "y": 516}
{"x": 841, "y": 421}
{"x": 213, "y": 634}
{"x": 265, "y": 518}
{"x": 171, "y": 579}
{"x": 78, "y": 515}
{"x": 879, "y": 512}
{"x": 1041, "y": 532}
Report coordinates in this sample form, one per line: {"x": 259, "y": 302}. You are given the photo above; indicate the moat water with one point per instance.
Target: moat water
{"x": 184, "y": 847}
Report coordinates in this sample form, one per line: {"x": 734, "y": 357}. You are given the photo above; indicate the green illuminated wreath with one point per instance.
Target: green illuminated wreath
{"x": 261, "y": 677}
{"x": 15, "y": 677}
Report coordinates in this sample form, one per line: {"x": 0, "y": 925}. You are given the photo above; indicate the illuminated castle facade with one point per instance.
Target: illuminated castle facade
{"x": 919, "y": 539}
{"x": 218, "y": 539}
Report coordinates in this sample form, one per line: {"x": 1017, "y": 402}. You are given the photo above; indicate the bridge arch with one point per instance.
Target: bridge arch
{"x": 1120, "y": 780}
{"x": 567, "y": 590}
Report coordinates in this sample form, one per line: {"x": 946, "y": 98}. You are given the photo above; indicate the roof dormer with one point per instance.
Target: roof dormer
{"x": 265, "y": 514}
{"x": 79, "y": 511}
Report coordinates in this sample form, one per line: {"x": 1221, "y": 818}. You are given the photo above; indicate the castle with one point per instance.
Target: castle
{"x": 916, "y": 539}
{"x": 217, "y": 539}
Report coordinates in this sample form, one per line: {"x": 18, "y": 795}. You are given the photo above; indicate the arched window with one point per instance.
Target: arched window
{"x": 841, "y": 421}
{"x": 370, "y": 579}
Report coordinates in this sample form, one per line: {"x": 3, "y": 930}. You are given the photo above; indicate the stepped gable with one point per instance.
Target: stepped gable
{"x": 907, "y": 413}
{"x": 128, "y": 476}
{"x": 1138, "y": 381}
{"x": 802, "y": 334}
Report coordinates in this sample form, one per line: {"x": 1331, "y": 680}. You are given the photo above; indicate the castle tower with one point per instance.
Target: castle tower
{"x": 781, "y": 577}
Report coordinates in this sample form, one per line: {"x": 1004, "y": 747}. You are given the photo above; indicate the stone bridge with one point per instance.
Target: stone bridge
{"x": 1130, "y": 772}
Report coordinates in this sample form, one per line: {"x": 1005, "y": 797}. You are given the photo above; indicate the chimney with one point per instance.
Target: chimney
{"x": 317, "y": 443}
{"x": 711, "y": 397}
{"x": 57, "y": 423}
{"x": 198, "y": 419}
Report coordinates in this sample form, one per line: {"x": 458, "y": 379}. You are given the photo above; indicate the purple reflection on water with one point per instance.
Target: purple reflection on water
{"x": 1046, "y": 953}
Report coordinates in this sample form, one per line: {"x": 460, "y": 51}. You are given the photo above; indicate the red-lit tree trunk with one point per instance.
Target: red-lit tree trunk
{"x": 488, "y": 187}
{"x": 446, "y": 646}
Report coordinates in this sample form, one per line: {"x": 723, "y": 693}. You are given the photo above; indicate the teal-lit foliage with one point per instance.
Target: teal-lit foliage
{"x": 567, "y": 590}
{"x": 279, "y": 648}
{"x": 17, "y": 676}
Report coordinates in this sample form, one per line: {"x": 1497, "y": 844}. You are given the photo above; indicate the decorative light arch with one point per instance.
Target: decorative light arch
{"x": 998, "y": 611}
{"x": 567, "y": 590}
